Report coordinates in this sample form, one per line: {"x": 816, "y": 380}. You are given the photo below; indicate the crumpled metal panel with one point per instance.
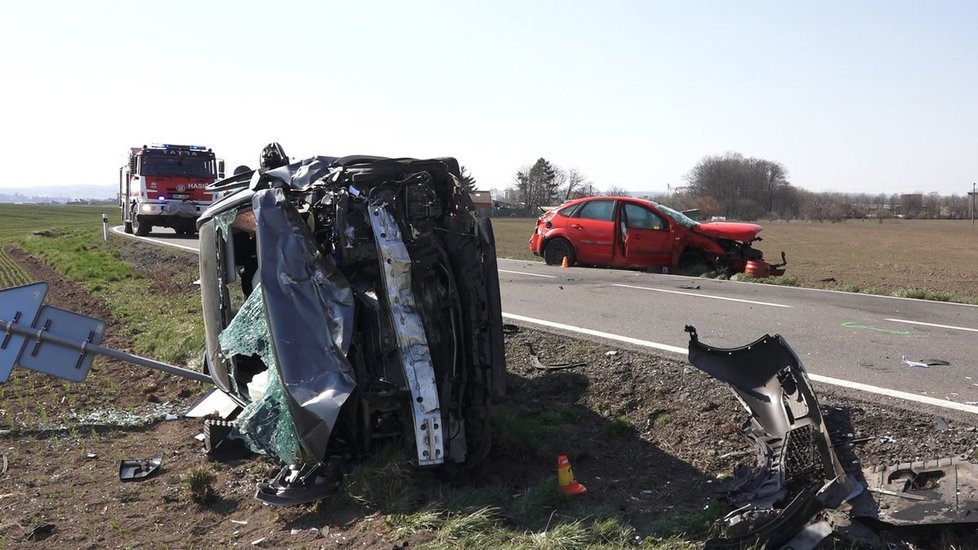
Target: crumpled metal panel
{"x": 797, "y": 471}
{"x": 309, "y": 306}
{"x": 412, "y": 343}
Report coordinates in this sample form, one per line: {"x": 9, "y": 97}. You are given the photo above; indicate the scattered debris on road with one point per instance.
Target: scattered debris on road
{"x": 798, "y": 473}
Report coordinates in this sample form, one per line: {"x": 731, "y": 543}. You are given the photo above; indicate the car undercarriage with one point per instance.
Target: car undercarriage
{"x": 350, "y": 302}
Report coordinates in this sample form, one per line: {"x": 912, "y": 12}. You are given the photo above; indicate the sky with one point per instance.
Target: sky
{"x": 850, "y": 96}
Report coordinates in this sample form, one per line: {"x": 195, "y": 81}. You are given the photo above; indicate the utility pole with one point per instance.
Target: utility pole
{"x": 973, "y": 193}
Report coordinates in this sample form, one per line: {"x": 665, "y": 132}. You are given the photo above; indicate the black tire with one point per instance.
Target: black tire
{"x": 127, "y": 227}
{"x": 497, "y": 381}
{"x": 556, "y": 250}
{"x": 143, "y": 228}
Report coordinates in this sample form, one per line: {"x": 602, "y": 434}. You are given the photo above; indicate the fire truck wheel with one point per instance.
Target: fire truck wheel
{"x": 143, "y": 228}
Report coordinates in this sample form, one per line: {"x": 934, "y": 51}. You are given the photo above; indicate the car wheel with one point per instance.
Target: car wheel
{"x": 556, "y": 250}
{"x": 127, "y": 226}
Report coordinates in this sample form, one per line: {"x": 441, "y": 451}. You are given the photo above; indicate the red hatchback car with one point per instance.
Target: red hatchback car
{"x": 636, "y": 233}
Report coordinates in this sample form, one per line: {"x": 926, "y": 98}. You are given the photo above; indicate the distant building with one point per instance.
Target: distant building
{"x": 481, "y": 199}
{"x": 503, "y": 203}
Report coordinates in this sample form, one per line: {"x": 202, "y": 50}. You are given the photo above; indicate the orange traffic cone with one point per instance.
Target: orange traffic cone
{"x": 565, "y": 478}
{"x": 565, "y": 262}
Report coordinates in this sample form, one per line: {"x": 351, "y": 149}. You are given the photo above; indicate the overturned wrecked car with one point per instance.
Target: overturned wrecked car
{"x": 350, "y": 301}
{"x": 637, "y": 233}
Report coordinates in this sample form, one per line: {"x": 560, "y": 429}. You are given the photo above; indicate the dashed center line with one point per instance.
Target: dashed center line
{"x": 952, "y": 327}
{"x": 698, "y": 295}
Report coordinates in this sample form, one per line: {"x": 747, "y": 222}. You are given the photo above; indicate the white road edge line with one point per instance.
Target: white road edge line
{"x": 701, "y": 295}
{"x": 598, "y": 333}
{"x": 933, "y": 325}
{"x": 526, "y": 273}
{"x": 157, "y": 241}
{"x": 923, "y": 399}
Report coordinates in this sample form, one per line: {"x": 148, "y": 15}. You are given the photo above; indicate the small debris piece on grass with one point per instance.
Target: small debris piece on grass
{"x": 555, "y": 366}
{"x": 941, "y": 424}
{"x": 40, "y": 532}
{"x": 256, "y": 542}
{"x": 130, "y": 470}
{"x": 810, "y": 537}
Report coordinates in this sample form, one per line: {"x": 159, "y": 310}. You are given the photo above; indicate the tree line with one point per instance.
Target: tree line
{"x": 737, "y": 187}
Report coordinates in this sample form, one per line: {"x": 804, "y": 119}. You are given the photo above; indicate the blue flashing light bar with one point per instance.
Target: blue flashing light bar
{"x": 165, "y": 146}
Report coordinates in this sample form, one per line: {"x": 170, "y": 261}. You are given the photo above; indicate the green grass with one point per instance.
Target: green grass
{"x": 532, "y": 436}
{"x": 916, "y": 293}
{"x": 20, "y": 220}
{"x": 513, "y": 236}
{"x": 17, "y": 220}
{"x": 780, "y": 280}
{"x": 618, "y": 428}
{"x": 69, "y": 239}
{"x": 198, "y": 484}
{"x": 689, "y": 525}
{"x": 166, "y": 327}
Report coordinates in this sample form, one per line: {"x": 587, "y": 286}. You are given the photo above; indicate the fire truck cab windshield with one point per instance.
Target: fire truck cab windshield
{"x": 178, "y": 165}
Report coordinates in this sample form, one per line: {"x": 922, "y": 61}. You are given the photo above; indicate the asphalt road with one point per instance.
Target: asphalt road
{"x": 850, "y": 340}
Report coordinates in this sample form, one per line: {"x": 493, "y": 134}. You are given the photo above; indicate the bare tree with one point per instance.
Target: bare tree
{"x": 616, "y": 191}
{"x": 745, "y": 187}
{"x": 537, "y": 184}
{"x": 577, "y": 185}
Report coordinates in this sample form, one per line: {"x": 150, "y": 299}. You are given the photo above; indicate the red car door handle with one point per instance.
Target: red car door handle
{"x": 576, "y": 226}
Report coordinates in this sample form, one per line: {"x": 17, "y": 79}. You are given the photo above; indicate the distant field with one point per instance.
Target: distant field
{"x": 933, "y": 255}
{"x": 19, "y": 220}
{"x": 918, "y": 258}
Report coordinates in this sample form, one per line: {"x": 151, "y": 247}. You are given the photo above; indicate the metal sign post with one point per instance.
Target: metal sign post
{"x": 58, "y": 342}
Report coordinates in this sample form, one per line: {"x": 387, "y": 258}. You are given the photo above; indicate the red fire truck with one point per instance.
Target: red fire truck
{"x": 163, "y": 185}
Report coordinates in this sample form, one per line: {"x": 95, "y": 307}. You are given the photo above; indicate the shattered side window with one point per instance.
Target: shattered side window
{"x": 224, "y": 221}
{"x": 266, "y": 422}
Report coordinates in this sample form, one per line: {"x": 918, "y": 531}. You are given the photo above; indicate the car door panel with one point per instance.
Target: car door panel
{"x": 646, "y": 236}
{"x": 593, "y": 232}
